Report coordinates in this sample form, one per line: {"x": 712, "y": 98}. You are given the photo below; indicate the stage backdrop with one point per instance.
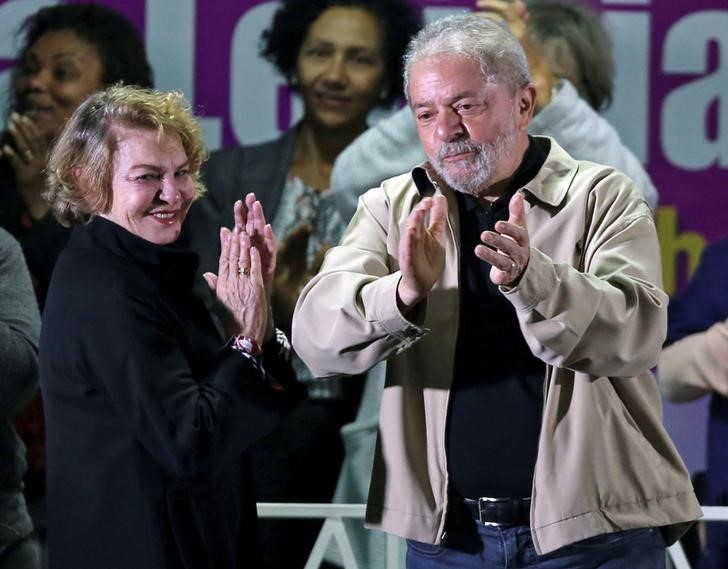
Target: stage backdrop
{"x": 671, "y": 105}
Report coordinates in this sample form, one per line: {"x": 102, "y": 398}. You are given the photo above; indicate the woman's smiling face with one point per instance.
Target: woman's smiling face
{"x": 53, "y": 77}
{"x": 340, "y": 66}
{"x": 152, "y": 188}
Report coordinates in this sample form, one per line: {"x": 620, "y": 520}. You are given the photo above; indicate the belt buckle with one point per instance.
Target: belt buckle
{"x": 483, "y": 500}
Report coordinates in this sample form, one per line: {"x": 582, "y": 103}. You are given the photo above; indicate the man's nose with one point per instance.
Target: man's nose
{"x": 449, "y": 125}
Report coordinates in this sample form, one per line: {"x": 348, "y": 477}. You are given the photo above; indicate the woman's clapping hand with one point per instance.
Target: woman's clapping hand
{"x": 247, "y": 263}
{"x": 27, "y": 155}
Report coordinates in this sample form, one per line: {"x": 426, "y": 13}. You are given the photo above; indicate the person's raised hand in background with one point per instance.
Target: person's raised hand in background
{"x": 514, "y": 14}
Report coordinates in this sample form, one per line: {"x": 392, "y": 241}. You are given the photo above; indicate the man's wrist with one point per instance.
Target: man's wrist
{"x": 406, "y": 300}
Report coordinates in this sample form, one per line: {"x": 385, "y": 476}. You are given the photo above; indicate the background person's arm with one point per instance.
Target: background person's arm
{"x": 19, "y": 329}
{"x": 696, "y": 365}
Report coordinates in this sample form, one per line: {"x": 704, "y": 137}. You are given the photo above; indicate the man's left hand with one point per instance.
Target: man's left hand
{"x": 507, "y": 248}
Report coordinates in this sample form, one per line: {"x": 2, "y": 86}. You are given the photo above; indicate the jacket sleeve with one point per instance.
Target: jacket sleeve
{"x": 608, "y": 317}
{"x": 346, "y": 318}
{"x": 19, "y": 329}
{"x": 587, "y": 135}
{"x": 190, "y": 420}
{"x": 696, "y": 365}
{"x": 389, "y": 148}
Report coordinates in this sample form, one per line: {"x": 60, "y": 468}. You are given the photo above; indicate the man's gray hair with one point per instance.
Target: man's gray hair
{"x": 489, "y": 44}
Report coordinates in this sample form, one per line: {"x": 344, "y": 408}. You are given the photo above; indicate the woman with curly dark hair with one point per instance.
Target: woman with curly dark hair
{"x": 344, "y": 58}
{"x": 282, "y": 42}
{"x": 67, "y": 52}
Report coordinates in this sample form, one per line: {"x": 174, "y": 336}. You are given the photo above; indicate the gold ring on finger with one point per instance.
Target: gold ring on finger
{"x": 28, "y": 155}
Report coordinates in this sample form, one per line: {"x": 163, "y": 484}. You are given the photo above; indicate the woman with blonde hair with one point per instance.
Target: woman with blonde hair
{"x": 149, "y": 410}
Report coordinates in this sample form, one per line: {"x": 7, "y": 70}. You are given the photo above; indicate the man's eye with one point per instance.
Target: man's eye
{"x": 148, "y": 177}
{"x": 476, "y": 107}
{"x": 182, "y": 173}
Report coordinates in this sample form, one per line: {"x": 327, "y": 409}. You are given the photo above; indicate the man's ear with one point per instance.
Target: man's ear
{"x": 526, "y": 98}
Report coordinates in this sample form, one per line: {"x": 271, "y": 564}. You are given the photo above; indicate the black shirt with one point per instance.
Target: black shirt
{"x": 497, "y": 393}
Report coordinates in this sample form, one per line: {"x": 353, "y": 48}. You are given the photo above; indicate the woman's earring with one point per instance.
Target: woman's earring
{"x": 293, "y": 80}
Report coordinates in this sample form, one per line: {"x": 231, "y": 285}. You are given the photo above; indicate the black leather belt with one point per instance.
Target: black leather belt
{"x": 500, "y": 511}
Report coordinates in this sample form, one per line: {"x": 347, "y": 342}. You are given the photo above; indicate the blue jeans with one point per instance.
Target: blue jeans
{"x": 512, "y": 548}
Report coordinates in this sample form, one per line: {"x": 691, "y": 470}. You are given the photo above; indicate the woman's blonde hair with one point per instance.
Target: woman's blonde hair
{"x": 80, "y": 167}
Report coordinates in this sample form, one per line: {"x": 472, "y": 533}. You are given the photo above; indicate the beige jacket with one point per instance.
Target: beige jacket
{"x": 696, "y": 365}
{"x": 589, "y": 305}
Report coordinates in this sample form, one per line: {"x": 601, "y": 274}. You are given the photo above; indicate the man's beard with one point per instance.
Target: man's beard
{"x": 474, "y": 175}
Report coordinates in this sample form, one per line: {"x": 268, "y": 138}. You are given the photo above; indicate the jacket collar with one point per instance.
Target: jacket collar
{"x": 425, "y": 179}
{"x": 553, "y": 180}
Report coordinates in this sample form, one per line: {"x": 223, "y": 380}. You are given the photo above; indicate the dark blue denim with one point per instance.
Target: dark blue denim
{"x": 512, "y": 548}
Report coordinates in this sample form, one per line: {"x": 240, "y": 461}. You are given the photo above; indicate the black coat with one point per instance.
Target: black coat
{"x": 148, "y": 412}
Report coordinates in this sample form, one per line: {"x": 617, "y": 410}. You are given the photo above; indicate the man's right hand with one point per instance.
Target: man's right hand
{"x": 422, "y": 251}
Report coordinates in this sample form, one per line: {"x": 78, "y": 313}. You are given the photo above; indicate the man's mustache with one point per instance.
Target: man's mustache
{"x": 457, "y": 147}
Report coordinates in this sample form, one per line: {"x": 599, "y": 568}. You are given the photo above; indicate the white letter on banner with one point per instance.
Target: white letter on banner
{"x": 254, "y": 82}
{"x": 684, "y": 114}
{"x": 629, "y": 112}
{"x": 170, "y": 44}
